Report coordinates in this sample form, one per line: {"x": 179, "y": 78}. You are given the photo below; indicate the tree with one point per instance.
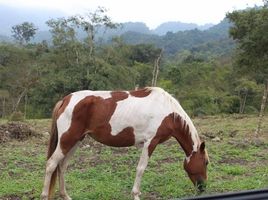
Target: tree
{"x": 65, "y": 39}
{"x": 90, "y": 23}
{"x": 18, "y": 74}
{"x": 250, "y": 28}
{"x": 24, "y": 32}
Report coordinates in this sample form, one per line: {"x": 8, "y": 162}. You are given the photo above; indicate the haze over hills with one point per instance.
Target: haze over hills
{"x": 10, "y": 16}
{"x": 174, "y": 27}
{"x": 172, "y": 36}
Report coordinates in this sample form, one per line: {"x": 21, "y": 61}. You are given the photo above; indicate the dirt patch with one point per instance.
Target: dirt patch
{"x": 26, "y": 195}
{"x": 10, "y": 197}
{"x": 233, "y": 161}
{"x": 246, "y": 142}
{"x": 15, "y": 130}
{"x": 211, "y": 135}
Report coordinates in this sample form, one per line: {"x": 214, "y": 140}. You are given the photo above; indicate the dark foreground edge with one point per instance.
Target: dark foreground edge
{"x": 244, "y": 195}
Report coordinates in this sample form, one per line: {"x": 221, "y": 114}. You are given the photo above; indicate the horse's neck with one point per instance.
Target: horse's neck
{"x": 183, "y": 132}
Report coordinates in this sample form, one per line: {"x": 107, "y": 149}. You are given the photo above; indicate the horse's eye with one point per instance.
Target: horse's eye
{"x": 206, "y": 162}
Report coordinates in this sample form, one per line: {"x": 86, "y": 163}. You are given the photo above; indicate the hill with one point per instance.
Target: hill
{"x": 15, "y": 15}
{"x": 174, "y": 27}
{"x": 214, "y": 39}
{"x": 172, "y": 36}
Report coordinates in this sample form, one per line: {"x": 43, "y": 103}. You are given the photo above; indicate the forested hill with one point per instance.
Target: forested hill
{"x": 178, "y": 26}
{"x": 171, "y": 36}
{"x": 215, "y": 39}
{"x": 197, "y": 67}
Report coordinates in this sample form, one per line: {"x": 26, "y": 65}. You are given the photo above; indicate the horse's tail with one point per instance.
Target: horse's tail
{"x": 52, "y": 145}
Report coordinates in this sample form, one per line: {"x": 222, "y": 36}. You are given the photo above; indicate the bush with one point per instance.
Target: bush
{"x": 16, "y": 116}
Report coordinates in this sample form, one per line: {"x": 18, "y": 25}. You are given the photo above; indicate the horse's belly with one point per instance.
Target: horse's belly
{"x": 124, "y": 138}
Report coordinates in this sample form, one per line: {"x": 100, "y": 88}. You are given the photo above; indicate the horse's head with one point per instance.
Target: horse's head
{"x": 196, "y": 167}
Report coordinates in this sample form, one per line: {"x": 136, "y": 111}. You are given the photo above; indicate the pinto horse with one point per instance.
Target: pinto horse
{"x": 145, "y": 117}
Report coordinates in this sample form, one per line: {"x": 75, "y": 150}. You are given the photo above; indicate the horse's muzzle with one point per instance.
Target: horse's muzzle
{"x": 201, "y": 185}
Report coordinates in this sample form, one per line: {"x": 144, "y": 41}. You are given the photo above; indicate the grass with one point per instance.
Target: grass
{"x": 238, "y": 162}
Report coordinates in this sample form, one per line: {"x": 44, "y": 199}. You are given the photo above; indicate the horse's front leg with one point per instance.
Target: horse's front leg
{"x": 146, "y": 153}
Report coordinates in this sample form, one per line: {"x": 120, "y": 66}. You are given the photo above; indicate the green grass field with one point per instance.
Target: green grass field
{"x": 239, "y": 161}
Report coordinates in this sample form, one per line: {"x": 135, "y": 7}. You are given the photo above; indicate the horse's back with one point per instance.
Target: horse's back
{"x": 112, "y": 117}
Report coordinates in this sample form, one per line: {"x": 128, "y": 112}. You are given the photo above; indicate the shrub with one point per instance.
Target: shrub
{"x": 16, "y": 116}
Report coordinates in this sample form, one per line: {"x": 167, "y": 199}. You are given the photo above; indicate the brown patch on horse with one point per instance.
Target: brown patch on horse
{"x": 182, "y": 134}
{"x": 91, "y": 116}
{"x": 124, "y": 138}
{"x": 119, "y": 95}
{"x": 99, "y": 126}
{"x": 78, "y": 124}
{"x": 173, "y": 125}
{"x": 141, "y": 92}
{"x": 164, "y": 132}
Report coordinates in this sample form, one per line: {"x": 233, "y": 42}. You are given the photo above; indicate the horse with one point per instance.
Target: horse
{"x": 144, "y": 118}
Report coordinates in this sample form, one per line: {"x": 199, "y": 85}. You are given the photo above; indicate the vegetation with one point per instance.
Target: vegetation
{"x": 237, "y": 162}
{"x": 250, "y": 28}
{"x": 209, "y": 73}
{"x": 24, "y": 32}
{"x": 196, "y": 66}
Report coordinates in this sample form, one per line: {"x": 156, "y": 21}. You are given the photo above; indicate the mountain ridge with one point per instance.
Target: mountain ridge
{"x": 10, "y": 16}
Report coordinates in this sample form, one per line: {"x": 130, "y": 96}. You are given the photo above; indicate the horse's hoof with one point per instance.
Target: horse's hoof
{"x": 43, "y": 197}
{"x": 136, "y": 195}
{"x": 66, "y": 197}
{"x": 136, "y": 198}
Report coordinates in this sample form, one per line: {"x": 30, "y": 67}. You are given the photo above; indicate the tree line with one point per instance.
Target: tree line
{"x": 35, "y": 75}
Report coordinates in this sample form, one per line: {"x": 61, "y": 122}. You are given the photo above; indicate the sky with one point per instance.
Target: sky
{"x": 151, "y": 12}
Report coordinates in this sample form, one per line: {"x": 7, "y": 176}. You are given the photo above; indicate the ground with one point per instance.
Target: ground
{"x": 238, "y": 161}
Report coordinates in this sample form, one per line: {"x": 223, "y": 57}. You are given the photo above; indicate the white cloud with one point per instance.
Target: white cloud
{"x": 151, "y": 12}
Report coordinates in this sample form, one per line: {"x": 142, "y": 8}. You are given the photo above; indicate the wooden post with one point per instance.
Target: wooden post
{"x": 25, "y": 105}
{"x": 4, "y": 107}
{"x": 156, "y": 69}
{"x": 243, "y": 93}
{"x": 263, "y": 103}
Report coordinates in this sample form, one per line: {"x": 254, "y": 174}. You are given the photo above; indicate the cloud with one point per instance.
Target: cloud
{"x": 149, "y": 11}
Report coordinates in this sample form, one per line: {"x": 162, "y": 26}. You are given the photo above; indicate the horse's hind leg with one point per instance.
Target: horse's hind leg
{"x": 51, "y": 166}
{"x": 62, "y": 168}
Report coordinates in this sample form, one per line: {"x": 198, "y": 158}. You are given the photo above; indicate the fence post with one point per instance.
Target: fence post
{"x": 263, "y": 103}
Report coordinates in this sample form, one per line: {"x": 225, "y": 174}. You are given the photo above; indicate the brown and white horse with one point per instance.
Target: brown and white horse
{"x": 144, "y": 117}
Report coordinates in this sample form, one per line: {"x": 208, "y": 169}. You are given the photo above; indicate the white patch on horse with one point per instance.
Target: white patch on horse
{"x": 178, "y": 110}
{"x": 145, "y": 115}
{"x": 65, "y": 119}
{"x": 188, "y": 158}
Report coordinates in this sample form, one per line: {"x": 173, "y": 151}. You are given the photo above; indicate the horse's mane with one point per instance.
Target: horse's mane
{"x": 175, "y": 106}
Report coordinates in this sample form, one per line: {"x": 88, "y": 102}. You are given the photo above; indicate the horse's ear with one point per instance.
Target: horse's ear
{"x": 202, "y": 147}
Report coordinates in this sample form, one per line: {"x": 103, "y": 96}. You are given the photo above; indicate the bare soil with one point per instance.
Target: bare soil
{"x": 15, "y": 130}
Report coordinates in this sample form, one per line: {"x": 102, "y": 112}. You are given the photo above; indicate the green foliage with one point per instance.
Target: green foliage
{"x": 17, "y": 116}
{"x": 196, "y": 66}
{"x": 203, "y": 88}
{"x": 24, "y": 32}
{"x": 145, "y": 53}
{"x": 250, "y": 29}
